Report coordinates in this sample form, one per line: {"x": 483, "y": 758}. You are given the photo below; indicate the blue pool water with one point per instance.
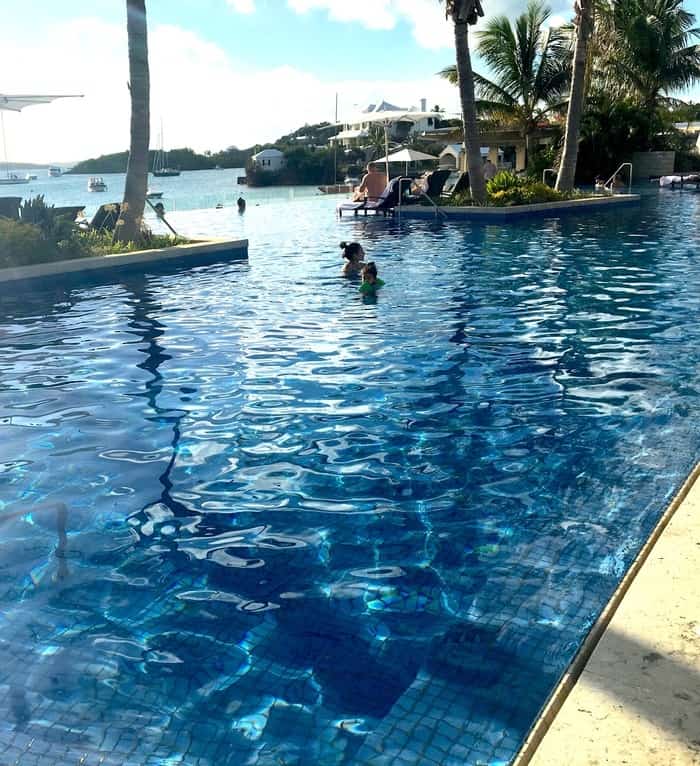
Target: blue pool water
{"x": 248, "y": 518}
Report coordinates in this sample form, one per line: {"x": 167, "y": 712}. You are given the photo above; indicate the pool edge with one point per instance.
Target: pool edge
{"x": 570, "y": 678}
{"x": 196, "y": 252}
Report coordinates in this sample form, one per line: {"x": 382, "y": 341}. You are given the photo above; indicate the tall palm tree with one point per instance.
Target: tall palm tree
{"x": 531, "y": 68}
{"x": 463, "y": 14}
{"x": 129, "y": 226}
{"x": 584, "y": 29}
{"x": 648, "y": 49}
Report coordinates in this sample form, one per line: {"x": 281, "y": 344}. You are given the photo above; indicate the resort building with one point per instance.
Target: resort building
{"x": 402, "y": 123}
{"x": 503, "y": 146}
{"x": 269, "y": 160}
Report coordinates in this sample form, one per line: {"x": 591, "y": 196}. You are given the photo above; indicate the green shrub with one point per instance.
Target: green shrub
{"x": 505, "y": 180}
{"x": 54, "y": 228}
{"x": 22, "y": 244}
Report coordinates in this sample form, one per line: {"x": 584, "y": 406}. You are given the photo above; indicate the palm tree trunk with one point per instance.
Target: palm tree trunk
{"x": 465, "y": 81}
{"x": 129, "y": 228}
{"x": 584, "y": 29}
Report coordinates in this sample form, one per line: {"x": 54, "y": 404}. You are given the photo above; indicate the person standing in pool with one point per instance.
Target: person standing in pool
{"x": 355, "y": 255}
{"x": 370, "y": 281}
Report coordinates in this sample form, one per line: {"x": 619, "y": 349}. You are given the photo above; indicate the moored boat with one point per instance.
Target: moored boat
{"x": 54, "y": 172}
{"x": 96, "y": 184}
{"x": 11, "y": 179}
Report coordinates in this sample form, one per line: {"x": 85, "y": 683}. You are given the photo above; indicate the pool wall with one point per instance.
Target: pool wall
{"x": 502, "y": 214}
{"x": 194, "y": 254}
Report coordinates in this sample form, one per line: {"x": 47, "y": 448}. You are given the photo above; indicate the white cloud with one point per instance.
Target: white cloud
{"x": 206, "y": 98}
{"x": 426, "y": 18}
{"x": 373, "y": 14}
{"x": 430, "y": 28}
{"x": 242, "y": 6}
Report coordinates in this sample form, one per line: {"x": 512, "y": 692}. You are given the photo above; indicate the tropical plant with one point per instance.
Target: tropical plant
{"x": 465, "y": 13}
{"x": 645, "y": 51}
{"x": 584, "y": 22}
{"x": 531, "y": 66}
{"x": 129, "y": 225}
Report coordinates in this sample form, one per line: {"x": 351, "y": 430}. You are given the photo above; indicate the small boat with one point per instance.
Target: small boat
{"x": 96, "y": 184}
{"x": 54, "y": 172}
{"x": 12, "y": 179}
{"x": 31, "y": 177}
{"x": 154, "y": 194}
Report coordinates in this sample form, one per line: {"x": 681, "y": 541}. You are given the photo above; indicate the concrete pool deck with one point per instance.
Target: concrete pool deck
{"x": 636, "y": 698}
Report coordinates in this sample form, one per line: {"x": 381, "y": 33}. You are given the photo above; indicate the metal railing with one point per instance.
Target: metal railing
{"x": 438, "y": 210}
{"x": 609, "y": 183}
{"x": 548, "y": 170}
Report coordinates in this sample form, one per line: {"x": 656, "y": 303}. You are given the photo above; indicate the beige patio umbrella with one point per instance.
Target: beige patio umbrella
{"x": 407, "y": 156}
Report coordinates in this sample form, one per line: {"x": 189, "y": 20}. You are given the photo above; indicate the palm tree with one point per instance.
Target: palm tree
{"x": 584, "y": 30}
{"x": 129, "y": 226}
{"x": 648, "y": 49}
{"x": 531, "y": 67}
{"x": 463, "y": 13}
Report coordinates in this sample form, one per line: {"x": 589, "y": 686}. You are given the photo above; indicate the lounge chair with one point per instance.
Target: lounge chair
{"x": 385, "y": 203}
{"x": 72, "y": 212}
{"x": 9, "y": 207}
{"x": 432, "y": 182}
{"x": 456, "y": 183}
{"x": 106, "y": 217}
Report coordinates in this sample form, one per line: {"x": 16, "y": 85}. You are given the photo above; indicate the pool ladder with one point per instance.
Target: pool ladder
{"x": 609, "y": 183}
{"x": 438, "y": 210}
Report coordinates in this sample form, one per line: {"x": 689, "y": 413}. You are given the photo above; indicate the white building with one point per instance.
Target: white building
{"x": 402, "y": 123}
{"x": 269, "y": 160}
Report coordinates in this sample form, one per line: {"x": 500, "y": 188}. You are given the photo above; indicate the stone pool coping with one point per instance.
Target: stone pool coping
{"x": 630, "y": 695}
{"x": 501, "y": 214}
{"x": 196, "y": 253}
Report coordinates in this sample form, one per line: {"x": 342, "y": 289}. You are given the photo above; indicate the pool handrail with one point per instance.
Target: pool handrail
{"x": 548, "y": 170}
{"x": 608, "y": 184}
{"x": 421, "y": 193}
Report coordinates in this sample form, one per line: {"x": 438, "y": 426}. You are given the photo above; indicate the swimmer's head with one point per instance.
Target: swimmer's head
{"x": 353, "y": 251}
{"x": 369, "y": 272}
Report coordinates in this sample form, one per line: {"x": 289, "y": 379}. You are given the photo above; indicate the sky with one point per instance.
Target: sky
{"x": 223, "y": 72}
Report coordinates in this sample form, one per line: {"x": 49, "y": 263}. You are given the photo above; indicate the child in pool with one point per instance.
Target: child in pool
{"x": 370, "y": 281}
{"x": 355, "y": 255}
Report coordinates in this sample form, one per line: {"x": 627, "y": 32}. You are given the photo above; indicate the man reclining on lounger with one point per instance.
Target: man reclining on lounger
{"x": 371, "y": 186}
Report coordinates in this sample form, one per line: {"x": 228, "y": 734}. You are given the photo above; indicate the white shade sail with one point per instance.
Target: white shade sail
{"x": 16, "y": 103}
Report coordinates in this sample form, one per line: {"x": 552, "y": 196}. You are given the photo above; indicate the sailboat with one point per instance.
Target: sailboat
{"x": 9, "y": 179}
{"x": 160, "y": 161}
{"x": 16, "y": 104}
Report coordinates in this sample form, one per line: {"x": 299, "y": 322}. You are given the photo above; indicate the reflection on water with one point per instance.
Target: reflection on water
{"x": 287, "y": 526}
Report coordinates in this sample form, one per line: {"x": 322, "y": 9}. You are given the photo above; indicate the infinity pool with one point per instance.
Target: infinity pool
{"x": 248, "y": 518}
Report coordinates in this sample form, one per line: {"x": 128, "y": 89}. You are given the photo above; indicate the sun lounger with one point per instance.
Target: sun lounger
{"x": 691, "y": 179}
{"x": 106, "y": 217}
{"x": 432, "y": 183}
{"x": 73, "y": 212}
{"x": 456, "y": 183}
{"x": 385, "y": 203}
{"x": 9, "y": 207}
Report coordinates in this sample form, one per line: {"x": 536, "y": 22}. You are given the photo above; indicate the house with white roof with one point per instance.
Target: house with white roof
{"x": 402, "y": 123}
{"x": 269, "y": 160}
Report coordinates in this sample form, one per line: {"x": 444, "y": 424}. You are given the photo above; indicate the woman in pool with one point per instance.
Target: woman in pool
{"x": 370, "y": 281}
{"x": 355, "y": 255}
